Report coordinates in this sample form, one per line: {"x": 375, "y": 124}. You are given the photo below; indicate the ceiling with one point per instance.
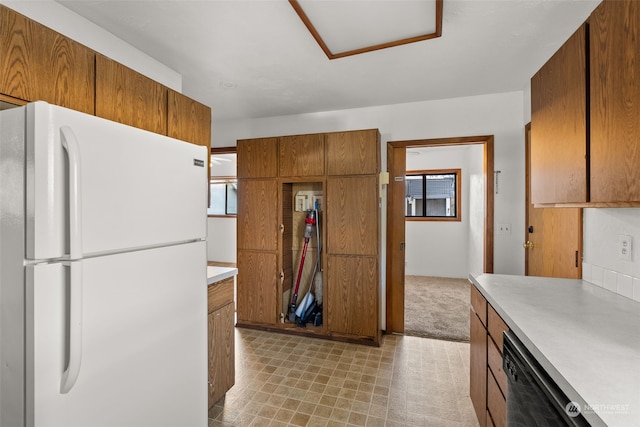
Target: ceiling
{"x": 262, "y": 49}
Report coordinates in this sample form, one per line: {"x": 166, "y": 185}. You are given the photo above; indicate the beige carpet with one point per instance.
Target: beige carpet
{"x": 436, "y": 307}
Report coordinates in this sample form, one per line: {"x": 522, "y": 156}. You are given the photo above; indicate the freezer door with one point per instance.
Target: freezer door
{"x": 108, "y": 186}
{"x": 143, "y": 341}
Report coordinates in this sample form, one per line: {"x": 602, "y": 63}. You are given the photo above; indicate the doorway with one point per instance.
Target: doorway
{"x": 396, "y": 161}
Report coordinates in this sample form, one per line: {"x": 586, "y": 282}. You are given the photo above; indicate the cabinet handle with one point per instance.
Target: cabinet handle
{"x": 282, "y": 228}
{"x": 528, "y": 245}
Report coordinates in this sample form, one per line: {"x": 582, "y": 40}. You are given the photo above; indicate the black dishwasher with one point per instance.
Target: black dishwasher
{"x": 534, "y": 399}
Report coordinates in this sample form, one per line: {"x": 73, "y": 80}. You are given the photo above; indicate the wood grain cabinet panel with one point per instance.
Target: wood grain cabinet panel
{"x": 478, "y": 367}
{"x": 221, "y": 352}
{"x": 188, "y": 120}
{"x": 352, "y": 215}
{"x": 39, "y": 64}
{"x": 487, "y": 380}
{"x": 615, "y": 102}
{"x": 353, "y": 152}
{"x": 128, "y": 97}
{"x": 302, "y": 155}
{"x": 256, "y": 287}
{"x": 496, "y": 403}
{"x": 257, "y": 222}
{"x": 352, "y": 305}
{"x": 257, "y": 158}
{"x": 559, "y": 125}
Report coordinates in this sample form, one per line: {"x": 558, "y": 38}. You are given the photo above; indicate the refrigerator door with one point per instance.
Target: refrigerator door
{"x": 143, "y": 341}
{"x": 124, "y": 187}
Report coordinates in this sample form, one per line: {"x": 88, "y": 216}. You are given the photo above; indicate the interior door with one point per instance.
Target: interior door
{"x": 143, "y": 341}
{"x": 553, "y": 236}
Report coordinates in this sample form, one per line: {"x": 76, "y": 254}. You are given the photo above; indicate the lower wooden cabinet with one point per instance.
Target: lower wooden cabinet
{"x": 488, "y": 382}
{"x": 221, "y": 340}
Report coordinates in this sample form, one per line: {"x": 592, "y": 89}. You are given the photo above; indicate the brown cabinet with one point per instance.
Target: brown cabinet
{"x": 257, "y": 243}
{"x": 488, "y": 382}
{"x": 614, "y": 54}
{"x": 39, "y": 64}
{"x": 353, "y": 152}
{"x": 221, "y": 339}
{"x": 478, "y": 355}
{"x": 271, "y": 172}
{"x": 302, "y": 155}
{"x": 128, "y": 97}
{"x": 585, "y": 102}
{"x": 257, "y": 158}
{"x": 189, "y": 120}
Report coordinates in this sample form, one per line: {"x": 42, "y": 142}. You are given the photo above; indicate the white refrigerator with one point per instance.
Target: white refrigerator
{"x": 102, "y": 273}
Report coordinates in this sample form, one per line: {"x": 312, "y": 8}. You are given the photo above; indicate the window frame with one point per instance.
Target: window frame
{"x": 225, "y": 179}
{"x": 458, "y": 174}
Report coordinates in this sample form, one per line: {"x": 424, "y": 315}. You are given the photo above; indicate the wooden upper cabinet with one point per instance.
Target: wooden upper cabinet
{"x": 615, "y": 101}
{"x": 559, "y": 125}
{"x": 257, "y": 158}
{"x": 128, "y": 97}
{"x": 188, "y": 120}
{"x": 352, "y": 215}
{"x": 39, "y": 64}
{"x": 353, "y": 152}
{"x": 302, "y": 155}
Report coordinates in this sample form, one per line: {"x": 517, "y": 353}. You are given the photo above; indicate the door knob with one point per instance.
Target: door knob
{"x": 528, "y": 245}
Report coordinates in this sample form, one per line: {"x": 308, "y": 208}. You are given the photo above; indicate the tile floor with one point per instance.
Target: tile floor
{"x": 284, "y": 380}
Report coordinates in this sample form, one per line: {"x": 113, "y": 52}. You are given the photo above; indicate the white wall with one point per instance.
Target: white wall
{"x": 221, "y": 239}
{"x": 448, "y": 248}
{"x": 59, "y": 18}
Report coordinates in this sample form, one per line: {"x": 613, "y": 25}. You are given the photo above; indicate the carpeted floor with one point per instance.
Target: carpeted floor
{"x": 436, "y": 307}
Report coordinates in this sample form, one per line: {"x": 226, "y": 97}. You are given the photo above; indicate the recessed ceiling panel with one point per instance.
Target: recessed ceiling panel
{"x": 349, "y": 27}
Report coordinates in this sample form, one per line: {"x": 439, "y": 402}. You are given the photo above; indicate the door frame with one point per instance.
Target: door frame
{"x": 396, "y": 232}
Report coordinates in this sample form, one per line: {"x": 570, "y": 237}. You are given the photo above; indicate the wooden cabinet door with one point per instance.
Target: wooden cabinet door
{"x": 188, "y": 120}
{"x": 257, "y": 287}
{"x": 353, "y": 152}
{"x": 221, "y": 352}
{"x": 615, "y": 101}
{"x": 128, "y": 97}
{"x": 38, "y": 64}
{"x": 352, "y": 215}
{"x": 352, "y": 296}
{"x": 478, "y": 367}
{"x": 559, "y": 125}
{"x": 257, "y": 158}
{"x": 302, "y": 155}
{"x": 257, "y": 221}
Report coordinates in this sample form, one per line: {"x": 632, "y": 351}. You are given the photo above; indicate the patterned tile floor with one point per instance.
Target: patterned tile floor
{"x": 284, "y": 380}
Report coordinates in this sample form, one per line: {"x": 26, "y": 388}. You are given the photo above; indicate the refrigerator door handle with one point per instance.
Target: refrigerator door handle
{"x": 70, "y": 375}
{"x": 70, "y": 144}
{"x": 74, "y": 334}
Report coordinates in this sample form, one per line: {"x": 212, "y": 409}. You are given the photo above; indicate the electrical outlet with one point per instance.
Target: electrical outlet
{"x": 625, "y": 247}
{"x": 504, "y": 229}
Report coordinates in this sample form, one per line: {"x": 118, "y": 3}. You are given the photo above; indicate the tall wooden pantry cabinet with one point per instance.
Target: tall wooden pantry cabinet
{"x": 340, "y": 170}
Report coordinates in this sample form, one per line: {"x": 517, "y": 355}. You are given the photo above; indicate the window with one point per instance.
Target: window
{"x": 224, "y": 197}
{"x": 433, "y": 195}
{"x": 223, "y": 185}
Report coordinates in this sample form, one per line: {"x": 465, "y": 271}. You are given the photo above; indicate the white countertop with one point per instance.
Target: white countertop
{"x": 216, "y": 274}
{"x": 585, "y": 337}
